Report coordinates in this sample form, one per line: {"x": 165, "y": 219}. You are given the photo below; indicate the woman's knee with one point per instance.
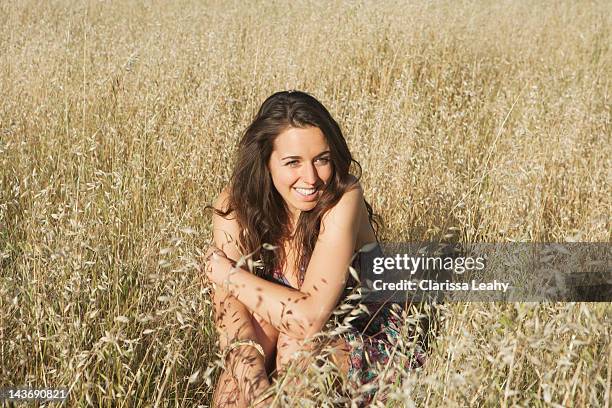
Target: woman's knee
{"x": 290, "y": 350}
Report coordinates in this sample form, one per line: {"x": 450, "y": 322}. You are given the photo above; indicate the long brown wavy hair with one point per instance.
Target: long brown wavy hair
{"x": 261, "y": 212}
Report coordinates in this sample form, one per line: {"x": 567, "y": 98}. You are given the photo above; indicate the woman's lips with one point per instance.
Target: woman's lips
{"x": 306, "y": 194}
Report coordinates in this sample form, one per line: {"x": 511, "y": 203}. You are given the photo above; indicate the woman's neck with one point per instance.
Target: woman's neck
{"x": 294, "y": 219}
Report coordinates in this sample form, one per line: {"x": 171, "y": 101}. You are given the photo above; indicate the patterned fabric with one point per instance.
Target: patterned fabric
{"x": 373, "y": 346}
{"x": 278, "y": 276}
{"x": 371, "y": 338}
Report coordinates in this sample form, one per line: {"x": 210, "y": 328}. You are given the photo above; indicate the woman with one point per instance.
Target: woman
{"x": 293, "y": 205}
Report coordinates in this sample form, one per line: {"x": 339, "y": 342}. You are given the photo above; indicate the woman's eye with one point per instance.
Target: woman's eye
{"x": 292, "y": 163}
{"x": 323, "y": 160}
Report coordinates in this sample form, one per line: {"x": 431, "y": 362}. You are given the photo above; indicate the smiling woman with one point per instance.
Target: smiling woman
{"x": 300, "y": 167}
{"x": 291, "y": 188}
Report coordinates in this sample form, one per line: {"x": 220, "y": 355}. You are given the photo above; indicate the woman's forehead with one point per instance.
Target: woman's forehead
{"x": 298, "y": 141}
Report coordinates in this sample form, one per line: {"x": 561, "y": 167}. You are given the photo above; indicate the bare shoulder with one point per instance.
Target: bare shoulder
{"x": 222, "y": 201}
{"x": 348, "y": 209}
{"x": 226, "y": 229}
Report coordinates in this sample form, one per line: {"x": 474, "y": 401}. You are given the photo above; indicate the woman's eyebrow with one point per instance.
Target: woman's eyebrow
{"x": 299, "y": 157}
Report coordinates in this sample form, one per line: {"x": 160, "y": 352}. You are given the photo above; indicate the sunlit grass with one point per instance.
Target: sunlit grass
{"x": 118, "y": 124}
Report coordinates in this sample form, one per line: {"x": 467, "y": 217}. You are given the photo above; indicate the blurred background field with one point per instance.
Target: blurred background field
{"x": 118, "y": 124}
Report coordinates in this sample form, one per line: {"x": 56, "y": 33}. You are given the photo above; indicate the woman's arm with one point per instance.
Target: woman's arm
{"x": 302, "y": 313}
{"x": 233, "y": 320}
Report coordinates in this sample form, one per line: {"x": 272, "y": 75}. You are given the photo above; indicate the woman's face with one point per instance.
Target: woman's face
{"x": 300, "y": 166}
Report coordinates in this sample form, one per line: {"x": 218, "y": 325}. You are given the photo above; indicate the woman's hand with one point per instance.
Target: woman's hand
{"x": 218, "y": 266}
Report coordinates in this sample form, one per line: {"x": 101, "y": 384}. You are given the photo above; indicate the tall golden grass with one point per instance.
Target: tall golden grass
{"x": 118, "y": 124}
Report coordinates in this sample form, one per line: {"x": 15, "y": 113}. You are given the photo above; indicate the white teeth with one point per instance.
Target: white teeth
{"x": 305, "y": 191}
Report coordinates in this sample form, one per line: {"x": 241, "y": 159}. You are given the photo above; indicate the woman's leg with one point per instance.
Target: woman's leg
{"x": 242, "y": 382}
{"x": 267, "y": 336}
{"x": 245, "y": 376}
{"x": 226, "y": 393}
{"x": 287, "y": 360}
{"x": 287, "y": 347}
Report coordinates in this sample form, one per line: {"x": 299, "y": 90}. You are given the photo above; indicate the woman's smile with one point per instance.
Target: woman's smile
{"x": 307, "y": 194}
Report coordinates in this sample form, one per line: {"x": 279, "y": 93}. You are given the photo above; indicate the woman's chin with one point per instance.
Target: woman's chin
{"x": 301, "y": 203}
{"x": 306, "y": 206}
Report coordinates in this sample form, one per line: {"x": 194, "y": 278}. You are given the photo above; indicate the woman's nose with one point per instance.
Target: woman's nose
{"x": 310, "y": 174}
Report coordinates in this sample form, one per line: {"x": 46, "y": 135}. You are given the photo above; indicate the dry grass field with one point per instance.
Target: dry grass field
{"x": 118, "y": 124}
